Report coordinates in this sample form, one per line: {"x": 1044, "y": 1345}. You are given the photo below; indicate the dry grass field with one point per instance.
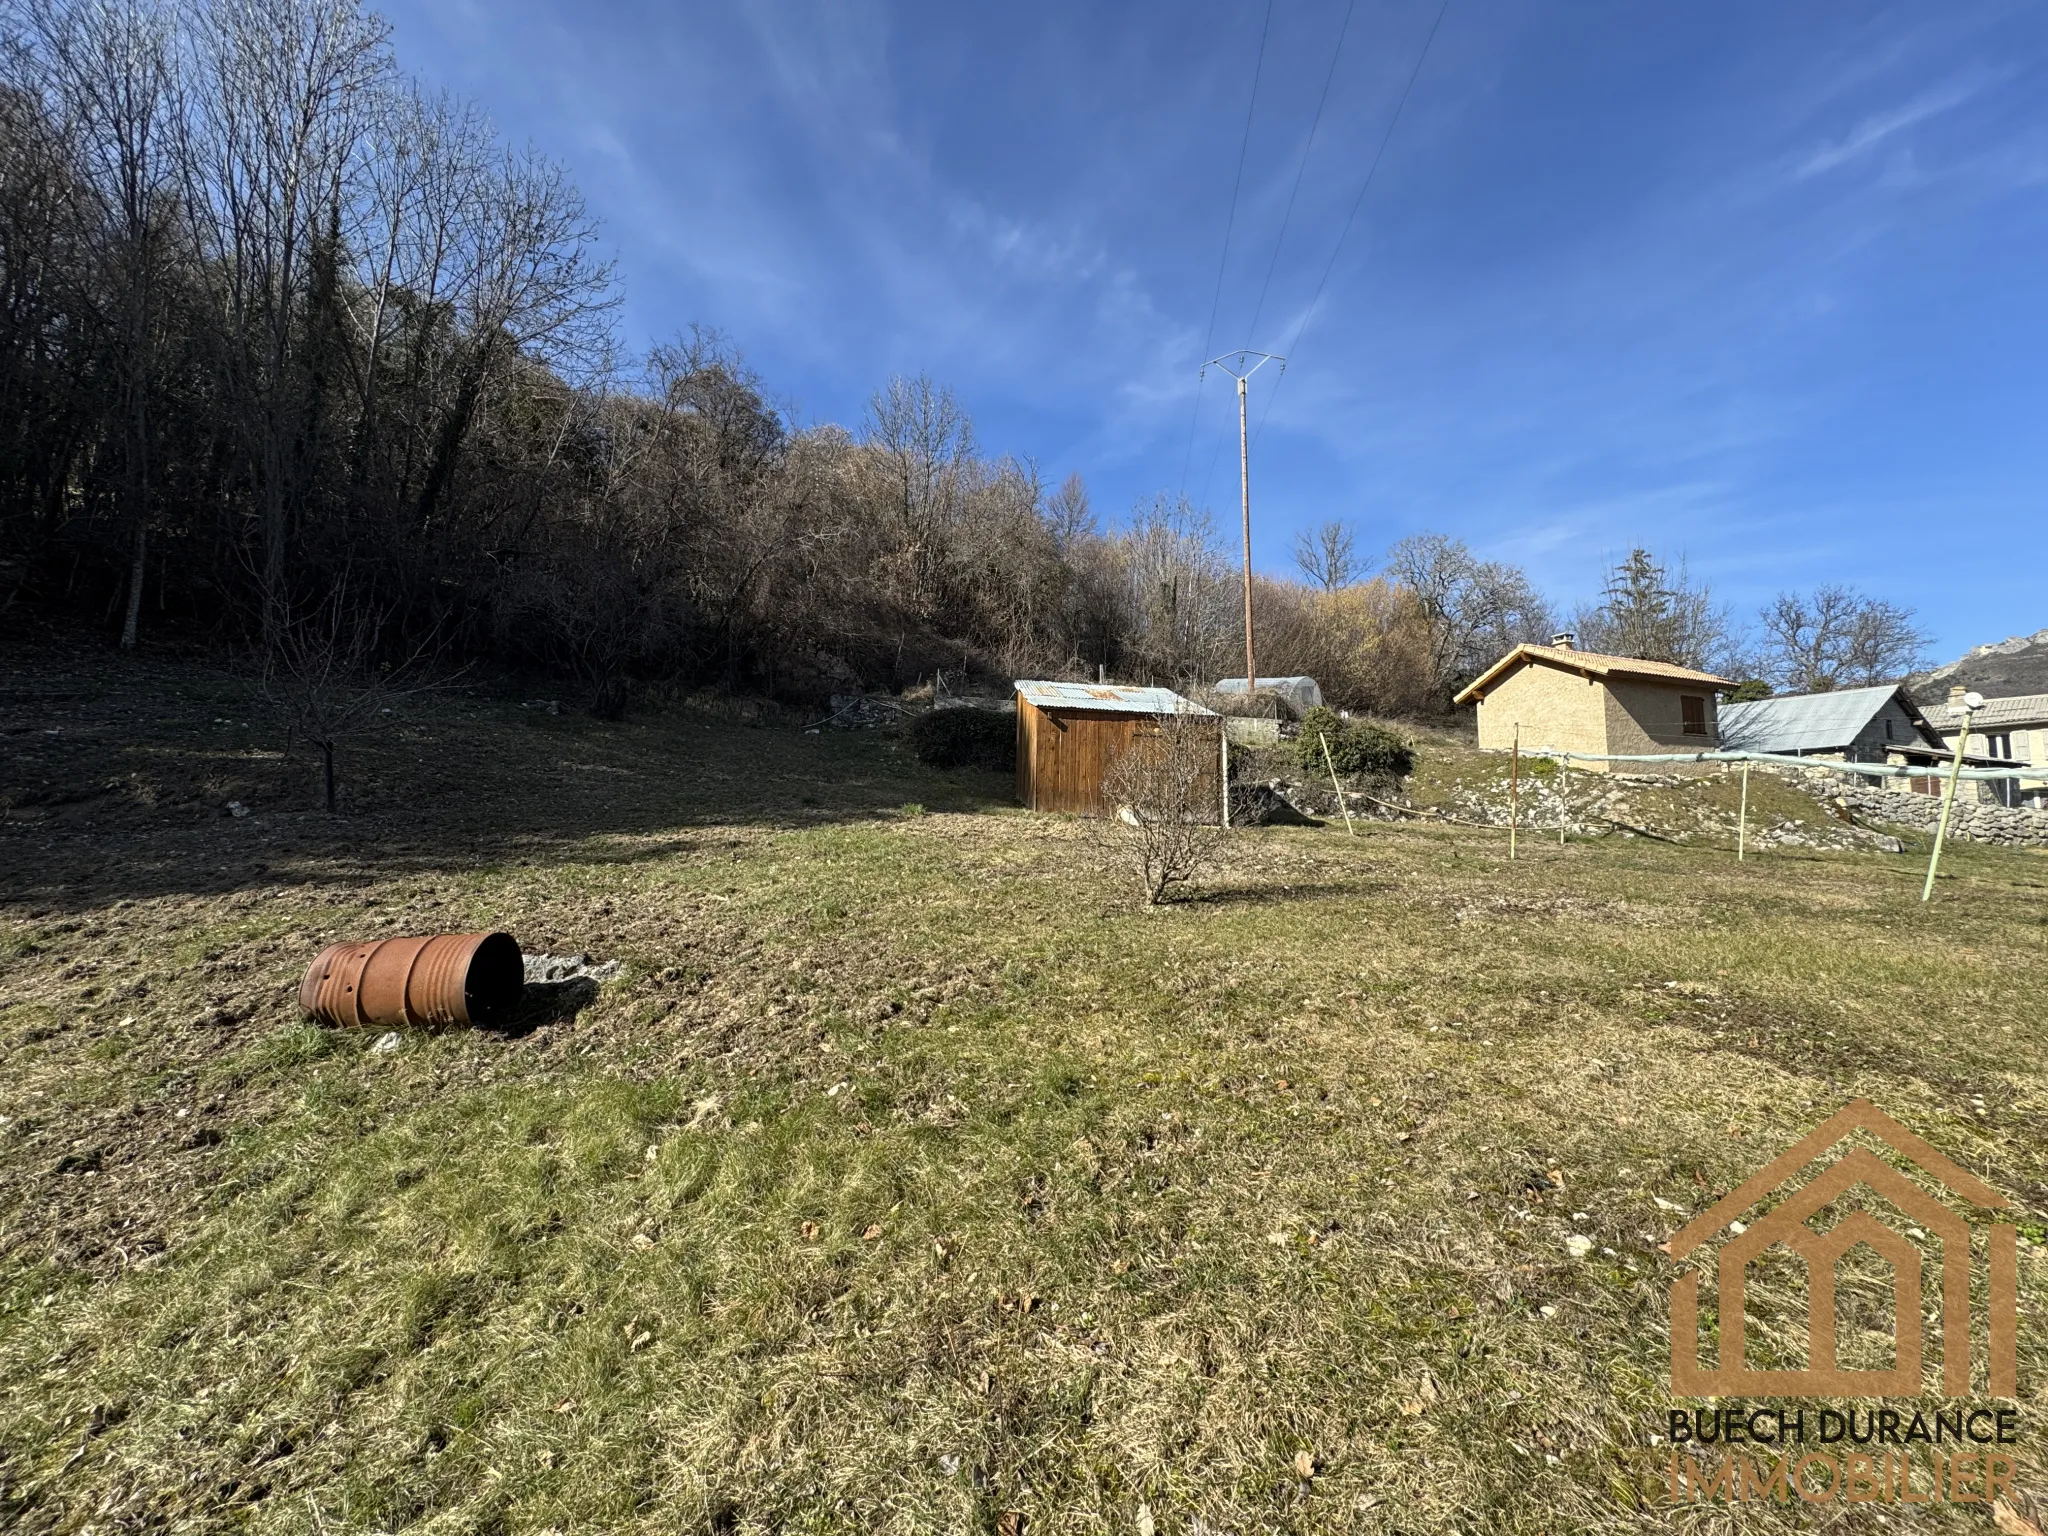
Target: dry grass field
{"x": 910, "y": 1175}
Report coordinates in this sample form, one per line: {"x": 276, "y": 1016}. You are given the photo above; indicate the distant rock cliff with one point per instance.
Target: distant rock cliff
{"x": 2018, "y": 665}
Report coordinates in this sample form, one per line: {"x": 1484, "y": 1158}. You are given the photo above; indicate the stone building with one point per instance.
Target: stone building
{"x": 1567, "y": 700}
{"x": 2014, "y": 729}
{"x": 1855, "y": 725}
{"x": 1872, "y": 725}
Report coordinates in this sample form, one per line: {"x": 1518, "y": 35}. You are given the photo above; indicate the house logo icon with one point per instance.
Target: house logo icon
{"x": 1949, "y": 1244}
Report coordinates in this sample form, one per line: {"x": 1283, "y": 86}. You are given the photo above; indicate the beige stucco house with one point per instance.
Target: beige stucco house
{"x": 2006, "y": 730}
{"x": 1570, "y": 700}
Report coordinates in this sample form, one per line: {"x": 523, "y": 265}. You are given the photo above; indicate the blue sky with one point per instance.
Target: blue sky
{"x": 1759, "y": 283}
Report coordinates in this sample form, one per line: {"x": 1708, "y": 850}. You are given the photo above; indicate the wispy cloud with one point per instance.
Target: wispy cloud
{"x": 1877, "y": 128}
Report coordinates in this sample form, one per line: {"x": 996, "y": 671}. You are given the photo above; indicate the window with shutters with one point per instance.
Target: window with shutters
{"x": 1692, "y": 710}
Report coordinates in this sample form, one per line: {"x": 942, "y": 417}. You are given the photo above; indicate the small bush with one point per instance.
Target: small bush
{"x": 1357, "y": 747}
{"x": 1167, "y": 825}
{"x": 965, "y": 738}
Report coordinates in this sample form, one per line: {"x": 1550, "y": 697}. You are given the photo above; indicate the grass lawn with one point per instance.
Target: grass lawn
{"x": 909, "y": 1177}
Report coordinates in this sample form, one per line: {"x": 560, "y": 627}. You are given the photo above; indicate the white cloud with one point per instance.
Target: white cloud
{"x": 1877, "y": 128}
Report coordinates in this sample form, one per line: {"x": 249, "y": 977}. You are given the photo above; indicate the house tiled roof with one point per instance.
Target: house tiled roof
{"x": 1109, "y": 698}
{"x": 1807, "y": 722}
{"x": 1588, "y": 664}
{"x": 2026, "y": 709}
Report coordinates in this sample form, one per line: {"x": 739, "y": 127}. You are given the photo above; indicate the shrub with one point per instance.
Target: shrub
{"x": 1358, "y": 747}
{"x": 1167, "y": 825}
{"x": 965, "y": 738}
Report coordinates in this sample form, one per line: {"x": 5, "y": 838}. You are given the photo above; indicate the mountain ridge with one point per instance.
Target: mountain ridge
{"x": 2017, "y": 665}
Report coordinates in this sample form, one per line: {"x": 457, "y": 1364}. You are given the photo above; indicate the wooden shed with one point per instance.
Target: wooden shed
{"x": 1069, "y": 733}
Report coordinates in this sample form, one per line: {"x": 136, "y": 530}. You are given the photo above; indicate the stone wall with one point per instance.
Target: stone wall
{"x": 1972, "y": 823}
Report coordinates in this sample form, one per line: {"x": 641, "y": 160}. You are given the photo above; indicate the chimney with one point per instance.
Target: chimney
{"x": 1564, "y": 640}
{"x": 1955, "y": 696}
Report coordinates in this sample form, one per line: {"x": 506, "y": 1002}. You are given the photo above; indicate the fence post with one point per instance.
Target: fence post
{"x": 1342, "y": 804}
{"x": 1948, "y": 801}
{"x": 1515, "y": 793}
{"x": 1742, "y": 823}
{"x": 1223, "y": 740}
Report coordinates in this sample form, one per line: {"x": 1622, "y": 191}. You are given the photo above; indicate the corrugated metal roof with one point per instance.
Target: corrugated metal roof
{"x": 1110, "y": 698}
{"x": 1802, "y": 722}
{"x": 2019, "y": 709}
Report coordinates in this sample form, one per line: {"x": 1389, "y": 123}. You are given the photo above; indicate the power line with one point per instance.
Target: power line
{"x": 1358, "y": 202}
{"x": 1287, "y": 216}
{"x": 1229, "y": 226}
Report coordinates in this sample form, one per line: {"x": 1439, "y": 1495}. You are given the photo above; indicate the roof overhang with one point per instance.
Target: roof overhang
{"x": 1591, "y": 665}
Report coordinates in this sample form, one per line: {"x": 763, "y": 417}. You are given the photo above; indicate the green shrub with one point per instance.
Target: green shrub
{"x": 1357, "y": 747}
{"x": 966, "y": 738}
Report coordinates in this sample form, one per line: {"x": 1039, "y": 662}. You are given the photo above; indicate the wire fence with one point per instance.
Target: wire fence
{"x": 1951, "y": 775}
{"x": 1787, "y": 760}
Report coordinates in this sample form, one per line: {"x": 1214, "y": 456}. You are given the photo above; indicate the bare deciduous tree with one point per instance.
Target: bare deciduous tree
{"x": 328, "y": 677}
{"x": 1476, "y": 609}
{"x": 110, "y": 69}
{"x": 1834, "y": 637}
{"x": 279, "y": 99}
{"x": 1327, "y": 555}
{"x": 922, "y": 438}
{"x": 1174, "y": 599}
{"x": 1167, "y": 821}
{"x": 1068, "y": 513}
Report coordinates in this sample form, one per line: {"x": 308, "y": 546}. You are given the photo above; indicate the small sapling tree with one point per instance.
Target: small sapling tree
{"x": 1166, "y": 820}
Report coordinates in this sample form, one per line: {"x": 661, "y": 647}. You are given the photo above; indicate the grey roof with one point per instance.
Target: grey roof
{"x": 1804, "y": 722}
{"x": 1997, "y": 714}
{"x": 1109, "y": 698}
{"x": 1236, "y": 684}
{"x": 1302, "y": 692}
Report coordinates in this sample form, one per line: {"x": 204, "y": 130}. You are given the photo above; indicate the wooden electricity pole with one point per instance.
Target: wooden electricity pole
{"x": 1234, "y": 364}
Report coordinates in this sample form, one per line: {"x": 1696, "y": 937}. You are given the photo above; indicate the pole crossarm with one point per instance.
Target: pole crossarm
{"x": 1235, "y": 363}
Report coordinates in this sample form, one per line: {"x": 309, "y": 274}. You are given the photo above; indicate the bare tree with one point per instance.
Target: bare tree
{"x": 1176, "y": 598}
{"x": 1068, "y": 513}
{"x": 1167, "y": 824}
{"x": 110, "y": 66}
{"x": 1476, "y": 609}
{"x": 1834, "y": 637}
{"x": 279, "y": 101}
{"x": 327, "y": 678}
{"x": 426, "y": 154}
{"x": 530, "y": 287}
{"x": 922, "y": 437}
{"x": 1327, "y": 555}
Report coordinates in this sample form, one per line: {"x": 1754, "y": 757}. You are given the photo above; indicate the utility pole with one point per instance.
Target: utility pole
{"x": 1235, "y": 364}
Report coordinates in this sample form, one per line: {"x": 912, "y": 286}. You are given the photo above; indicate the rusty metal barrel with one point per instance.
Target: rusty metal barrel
{"x": 449, "y": 979}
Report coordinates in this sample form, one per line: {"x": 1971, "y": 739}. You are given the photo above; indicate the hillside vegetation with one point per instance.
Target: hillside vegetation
{"x": 910, "y": 1174}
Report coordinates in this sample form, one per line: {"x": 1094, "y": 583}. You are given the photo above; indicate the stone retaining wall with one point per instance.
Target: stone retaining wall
{"x": 1972, "y": 823}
